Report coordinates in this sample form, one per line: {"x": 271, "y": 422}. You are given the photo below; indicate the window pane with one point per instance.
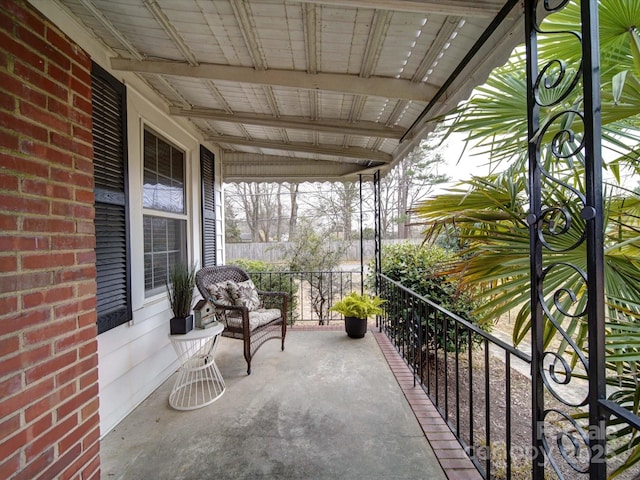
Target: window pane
{"x": 177, "y": 164}
{"x": 163, "y": 183}
{"x": 165, "y": 245}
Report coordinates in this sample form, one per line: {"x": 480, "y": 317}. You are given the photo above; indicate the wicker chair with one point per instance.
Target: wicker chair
{"x": 253, "y": 327}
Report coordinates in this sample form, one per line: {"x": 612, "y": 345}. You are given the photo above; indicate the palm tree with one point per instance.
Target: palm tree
{"x": 489, "y": 212}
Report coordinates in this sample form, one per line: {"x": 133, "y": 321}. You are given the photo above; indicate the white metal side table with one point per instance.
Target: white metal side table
{"x": 199, "y": 381}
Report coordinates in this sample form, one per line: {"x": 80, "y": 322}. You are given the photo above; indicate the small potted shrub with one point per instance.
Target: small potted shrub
{"x": 356, "y": 309}
{"x": 182, "y": 281}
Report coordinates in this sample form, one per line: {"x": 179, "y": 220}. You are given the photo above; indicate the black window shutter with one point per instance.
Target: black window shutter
{"x": 113, "y": 263}
{"x": 207, "y": 174}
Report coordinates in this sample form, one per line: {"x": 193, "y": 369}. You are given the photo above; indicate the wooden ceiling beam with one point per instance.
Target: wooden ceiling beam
{"x": 361, "y": 128}
{"x": 384, "y": 87}
{"x": 329, "y": 150}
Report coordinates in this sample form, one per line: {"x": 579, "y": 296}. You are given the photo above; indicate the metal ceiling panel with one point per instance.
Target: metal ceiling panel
{"x": 306, "y": 79}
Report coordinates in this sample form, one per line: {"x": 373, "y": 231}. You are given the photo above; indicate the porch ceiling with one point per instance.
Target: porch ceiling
{"x": 307, "y": 90}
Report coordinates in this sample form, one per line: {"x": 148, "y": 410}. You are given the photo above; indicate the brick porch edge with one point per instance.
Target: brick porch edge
{"x": 450, "y": 454}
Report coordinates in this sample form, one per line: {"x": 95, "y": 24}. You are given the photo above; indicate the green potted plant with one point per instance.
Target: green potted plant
{"x": 182, "y": 281}
{"x": 356, "y": 309}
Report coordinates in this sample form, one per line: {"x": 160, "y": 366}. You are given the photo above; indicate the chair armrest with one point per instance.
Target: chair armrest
{"x": 284, "y": 297}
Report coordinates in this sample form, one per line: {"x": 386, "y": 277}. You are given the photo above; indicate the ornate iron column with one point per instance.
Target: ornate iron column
{"x": 377, "y": 226}
{"x": 565, "y": 294}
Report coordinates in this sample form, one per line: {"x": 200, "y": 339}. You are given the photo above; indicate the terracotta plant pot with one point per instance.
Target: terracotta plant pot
{"x": 355, "y": 327}
{"x": 181, "y": 325}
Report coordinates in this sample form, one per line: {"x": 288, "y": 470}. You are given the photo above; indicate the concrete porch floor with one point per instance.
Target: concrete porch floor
{"x": 328, "y": 407}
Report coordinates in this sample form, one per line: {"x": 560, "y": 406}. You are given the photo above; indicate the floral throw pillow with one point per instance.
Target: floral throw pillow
{"x": 244, "y": 294}
{"x": 220, "y": 294}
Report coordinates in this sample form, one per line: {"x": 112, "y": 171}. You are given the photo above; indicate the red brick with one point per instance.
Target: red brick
{"x": 47, "y": 260}
{"x": 76, "y": 370}
{"x": 17, "y": 323}
{"x": 92, "y": 440}
{"x": 92, "y": 469}
{"x": 46, "y": 403}
{"x": 14, "y": 442}
{"x": 45, "y": 152}
{"x": 11, "y": 122}
{"x": 81, "y": 88}
{"x": 8, "y": 103}
{"x": 74, "y": 437}
{"x": 91, "y": 408}
{"x": 8, "y": 304}
{"x": 83, "y": 102}
{"x": 9, "y": 465}
{"x": 24, "y": 165}
{"x": 23, "y": 359}
{"x": 84, "y": 258}
{"x": 9, "y": 425}
{"x": 11, "y": 385}
{"x": 58, "y": 107}
{"x": 15, "y": 243}
{"x": 74, "y": 404}
{"x": 9, "y": 140}
{"x": 62, "y": 76}
{"x": 24, "y": 15}
{"x": 15, "y": 203}
{"x": 39, "y": 80}
{"x": 88, "y": 457}
{"x": 49, "y": 331}
{"x": 45, "y": 118}
{"x": 85, "y": 164}
{"x": 50, "y": 437}
{"x": 8, "y": 223}
{"x": 41, "y": 45}
{"x": 8, "y": 405}
{"x": 464, "y": 474}
{"x": 19, "y": 50}
{"x": 82, "y": 73}
{"x": 74, "y": 242}
{"x": 32, "y": 186}
{"x": 48, "y": 225}
{"x": 8, "y": 263}
{"x": 8, "y": 182}
{"x": 87, "y": 305}
{"x": 84, "y": 196}
{"x": 78, "y": 338}
{"x": 90, "y": 348}
{"x": 86, "y": 227}
{"x": 23, "y": 281}
{"x": 70, "y": 177}
{"x": 22, "y": 90}
{"x": 83, "y": 133}
{"x": 71, "y": 472}
{"x": 75, "y": 274}
{"x": 71, "y": 209}
{"x": 62, "y": 43}
{"x": 33, "y": 469}
{"x": 50, "y": 366}
{"x": 27, "y": 434}
{"x": 6, "y": 23}
{"x": 87, "y": 289}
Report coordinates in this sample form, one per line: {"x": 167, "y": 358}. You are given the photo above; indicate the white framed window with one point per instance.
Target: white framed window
{"x": 164, "y": 211}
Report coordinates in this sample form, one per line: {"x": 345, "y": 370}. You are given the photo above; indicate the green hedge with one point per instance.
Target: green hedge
{"x": 420, "y": 268}
{"x": 266, "y": 277}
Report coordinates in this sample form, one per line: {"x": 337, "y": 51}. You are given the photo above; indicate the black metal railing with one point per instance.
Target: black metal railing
{"x": 470, "y": 376}
{"x": 312, "y": 293}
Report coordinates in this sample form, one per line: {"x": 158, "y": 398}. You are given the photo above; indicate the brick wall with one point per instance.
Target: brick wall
{"x": 49, "y": 424}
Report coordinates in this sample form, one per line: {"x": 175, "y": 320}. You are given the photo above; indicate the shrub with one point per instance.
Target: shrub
{"x": 421, "y": 268}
